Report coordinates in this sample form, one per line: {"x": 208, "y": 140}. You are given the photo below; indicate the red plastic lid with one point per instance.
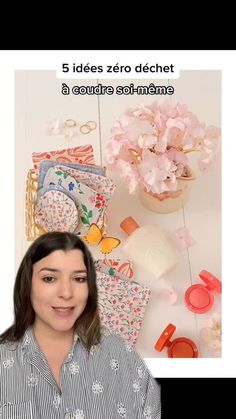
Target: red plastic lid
{"x": 198, "y": 298}
{"x": 164, "y": 339}
{"x": 211, "y": 281}
{"x": 183, "y": 348}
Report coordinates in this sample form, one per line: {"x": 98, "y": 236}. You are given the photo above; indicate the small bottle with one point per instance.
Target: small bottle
{"x": 148, "y": 247}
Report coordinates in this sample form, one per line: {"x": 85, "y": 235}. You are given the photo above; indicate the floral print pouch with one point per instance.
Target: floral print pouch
{"x": 121, "y": 305}
{"x": 45, "y": 165}
{"x": 55, "y": 210}
{"x": 96, "y": 181}
{"x": 92, "y": 205}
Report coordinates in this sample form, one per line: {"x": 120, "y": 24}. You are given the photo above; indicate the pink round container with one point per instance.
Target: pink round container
{"x": 199, "y": 298}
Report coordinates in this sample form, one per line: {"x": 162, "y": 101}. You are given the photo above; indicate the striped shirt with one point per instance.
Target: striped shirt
{"x": 110, "y": 381}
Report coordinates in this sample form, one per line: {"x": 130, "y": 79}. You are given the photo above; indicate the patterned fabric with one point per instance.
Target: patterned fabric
{"x": 45, "y": 165}
{"x": 121, "y": 303}
{"x": 101, "y": 184}
{"x": 122, "y": 267}
{"x": 80, "y": 154}
{"x": 55, "y": 210}
{"x": 115, "y": 268}
{"x": 90, "y": 203}
{"x": 111, "y": 381}
{"x": 84, "y": 191}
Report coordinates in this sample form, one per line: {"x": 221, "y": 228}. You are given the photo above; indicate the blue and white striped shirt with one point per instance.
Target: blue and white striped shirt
{"x": 110, "y": 381}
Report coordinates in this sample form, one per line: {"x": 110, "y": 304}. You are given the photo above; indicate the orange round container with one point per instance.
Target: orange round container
{"x": 178, "y": 348}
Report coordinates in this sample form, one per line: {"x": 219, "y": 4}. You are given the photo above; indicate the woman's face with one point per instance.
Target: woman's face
{"x": 59, "y": 290}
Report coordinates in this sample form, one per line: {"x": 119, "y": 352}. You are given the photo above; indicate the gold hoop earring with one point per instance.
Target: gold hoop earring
{"x": 92, "y": 124}
{"x": 88, "y": 127}
{"x": 85, "y": 129}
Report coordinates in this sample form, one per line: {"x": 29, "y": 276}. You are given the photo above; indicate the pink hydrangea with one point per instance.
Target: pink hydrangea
{"x": 149, "y": 145}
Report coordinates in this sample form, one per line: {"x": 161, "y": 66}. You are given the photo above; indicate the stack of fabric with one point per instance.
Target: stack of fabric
{"x": 72, "y": 192}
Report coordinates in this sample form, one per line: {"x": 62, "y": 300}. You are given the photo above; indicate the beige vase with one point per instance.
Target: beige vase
{"x": 168, "y": 201}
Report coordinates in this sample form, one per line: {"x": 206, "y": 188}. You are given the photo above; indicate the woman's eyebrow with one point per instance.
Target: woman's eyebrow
{"x": 49, "y": 269}
{"x": 58, "y": 270}
{"x": 80, "y": 271}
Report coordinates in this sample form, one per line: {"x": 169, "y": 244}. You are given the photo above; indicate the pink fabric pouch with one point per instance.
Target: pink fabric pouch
{"x": 121, "y": 304}
{"x": 55, "y": 210}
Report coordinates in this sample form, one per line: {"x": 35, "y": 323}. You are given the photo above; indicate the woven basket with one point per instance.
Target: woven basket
{"x": 32, "y": 230}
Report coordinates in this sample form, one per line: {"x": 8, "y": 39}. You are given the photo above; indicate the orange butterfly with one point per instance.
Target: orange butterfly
{"x": 95, "y": 236}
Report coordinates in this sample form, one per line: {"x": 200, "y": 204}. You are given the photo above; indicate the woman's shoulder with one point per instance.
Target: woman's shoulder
{"x": 125, "y": 353}
{"x": 113, "y": 342}
{"x": 8, "y": 350}
{"x": 8, "y": 346}
{"x": 113, "y": 338}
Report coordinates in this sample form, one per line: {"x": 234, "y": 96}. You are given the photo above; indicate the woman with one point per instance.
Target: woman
{"x": 55, "y": 361}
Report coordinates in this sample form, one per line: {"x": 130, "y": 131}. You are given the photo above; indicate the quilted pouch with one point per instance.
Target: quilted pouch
{"x": 56, "y": 210}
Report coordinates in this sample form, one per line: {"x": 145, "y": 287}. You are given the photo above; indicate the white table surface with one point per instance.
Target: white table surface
{"x": 39, "y": 99}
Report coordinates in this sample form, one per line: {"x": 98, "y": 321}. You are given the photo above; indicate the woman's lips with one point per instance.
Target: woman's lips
{"x": 63, "y": 311}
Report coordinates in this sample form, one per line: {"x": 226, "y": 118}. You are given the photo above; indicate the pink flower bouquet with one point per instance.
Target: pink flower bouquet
{"x": 150, "y": 144}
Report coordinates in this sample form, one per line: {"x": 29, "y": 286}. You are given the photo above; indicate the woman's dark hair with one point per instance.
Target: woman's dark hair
{"x": 87, "y": 325}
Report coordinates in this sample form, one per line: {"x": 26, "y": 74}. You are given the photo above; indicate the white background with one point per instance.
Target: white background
{"x": 182, "y": 60}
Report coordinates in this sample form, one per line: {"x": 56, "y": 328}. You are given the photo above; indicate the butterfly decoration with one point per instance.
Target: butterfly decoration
{"x": 95, "y": 236}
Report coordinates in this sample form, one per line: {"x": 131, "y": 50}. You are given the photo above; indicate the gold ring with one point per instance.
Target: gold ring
{"x": 92, "y": 124}
{"x": 85, "y": 129}
{"x": 70, "y": 123}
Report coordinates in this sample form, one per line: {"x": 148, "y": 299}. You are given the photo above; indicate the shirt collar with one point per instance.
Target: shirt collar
{"x": 30, "y": 345}
{"x": 71, "y": 353}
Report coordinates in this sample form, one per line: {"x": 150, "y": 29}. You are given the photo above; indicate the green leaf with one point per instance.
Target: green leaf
{"x": 84, "y": 208}
{"x": 84, "y": 220}
{"x": 111, "y": 272}
{"x": 65, "y": 175}
{"x": 90, "y": 214}
{"x": 58, "y": 172}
